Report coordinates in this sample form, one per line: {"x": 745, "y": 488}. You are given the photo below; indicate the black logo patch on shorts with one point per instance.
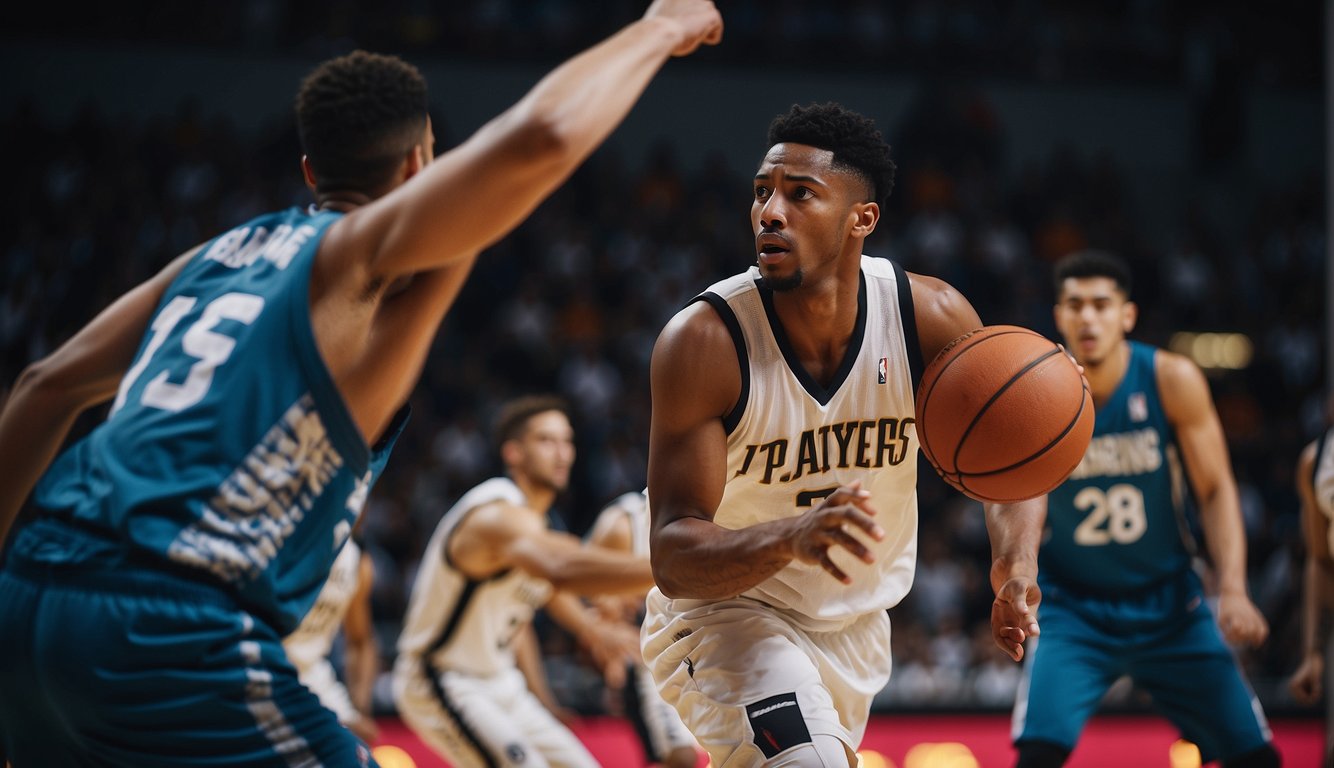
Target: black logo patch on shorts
{"x": 777, "y": 724}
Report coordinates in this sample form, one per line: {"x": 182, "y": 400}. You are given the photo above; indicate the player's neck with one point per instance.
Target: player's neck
{"x": 1105, "y": 376}
{"x": 536, "y": 496}
{"x": 343, "y": 200}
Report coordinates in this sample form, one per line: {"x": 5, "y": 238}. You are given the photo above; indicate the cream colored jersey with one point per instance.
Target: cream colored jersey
{"x": 1323, "y": 481}
{"x": 309, "y": 644}
{"x": 462, "y": 624}
{"x": 634, "y": 506}
{"x": 792, "y": 442}
{"x": 312, "y": 640}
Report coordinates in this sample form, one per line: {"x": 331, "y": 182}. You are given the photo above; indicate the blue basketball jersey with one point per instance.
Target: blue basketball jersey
{"x": 228, "y": 448}
{"x": 1118, "y": 523}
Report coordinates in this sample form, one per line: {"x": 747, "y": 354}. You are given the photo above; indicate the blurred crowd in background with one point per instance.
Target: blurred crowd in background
{"x": 572, "y": 302}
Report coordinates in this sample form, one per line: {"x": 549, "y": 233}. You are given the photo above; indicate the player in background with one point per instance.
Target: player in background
{"x": 258, "y": 383}
{"x": 782, "y": 472}
{"x": 344, "y": 603}
{"x": 491, "y": 563}
{"x": 623, "y": 526}
{"x": 1315, "y": 489}
{"x": 1120, "y": 593}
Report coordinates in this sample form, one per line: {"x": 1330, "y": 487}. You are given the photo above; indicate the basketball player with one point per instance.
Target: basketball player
{"x": 1120, "y": 596}
{"x": 783, "y": 465}
{"x": 1315, "y": 488}
{"x": 623, "y": 525}
{"x": 259, "y": 382}
{"x": 343, "y": 603}
{"x": 490, "y": 564}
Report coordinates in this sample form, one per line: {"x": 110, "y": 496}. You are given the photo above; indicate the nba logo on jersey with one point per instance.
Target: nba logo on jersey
{"x": 1138, "y": 406}
{"x": 883, "y": 368}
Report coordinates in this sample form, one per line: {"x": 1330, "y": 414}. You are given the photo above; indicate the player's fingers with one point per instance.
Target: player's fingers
{"x": 860, "y": 519}
{"x": 849, "y": 542}
{"x": 834, "y": 570}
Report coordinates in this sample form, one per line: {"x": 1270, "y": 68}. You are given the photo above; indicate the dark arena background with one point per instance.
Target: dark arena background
{"x": 1189, "y": 137}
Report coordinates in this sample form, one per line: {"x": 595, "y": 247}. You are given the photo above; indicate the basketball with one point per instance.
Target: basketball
{"x": 1003, "y": 414}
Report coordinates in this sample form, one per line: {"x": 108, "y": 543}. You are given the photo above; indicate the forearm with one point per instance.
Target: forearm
{"x": 33, "y": 425}
{"x": 1317, "y": 595}
{"x": 587, "y": 570}
{"x": 361, "y": 665}
{"x": 699, "y": 559}
{"x": 1015, "y": 531}
{"x": 1225, "y": 537}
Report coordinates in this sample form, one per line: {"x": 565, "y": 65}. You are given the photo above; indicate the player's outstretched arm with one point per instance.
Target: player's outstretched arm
{"x": 1307, "y": 683}
{"x": 83, "y": 372}
{"x": 498, "y": 536}
{"x": 478, "y": 192}
{"x": 1190, "y": 409}
{"x": 1015, "y": 531}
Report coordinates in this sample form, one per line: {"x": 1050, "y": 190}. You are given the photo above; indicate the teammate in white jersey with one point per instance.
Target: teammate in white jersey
{"x": 1315, "y": 488}
{"x": 623, "y": 525}
{"x": 783, "y": 459}
{"x": 490, "y": 564}
{"x": 344, "y": 603}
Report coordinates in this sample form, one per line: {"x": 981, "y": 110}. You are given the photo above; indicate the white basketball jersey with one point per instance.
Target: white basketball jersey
{"x": 311, "y": 641}
{"x": 466, "y": 625}
{"x": 1323, "y": 480}
{"x": 791, "y": 442}
{"x": 634, "y": 506}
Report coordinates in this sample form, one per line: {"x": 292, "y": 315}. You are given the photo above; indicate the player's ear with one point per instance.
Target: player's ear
{"x": 1129, "y": 315}
{"x": 414, "y": 161}
{"x": 865, "y": 217}
{"x": 307, "y": 172}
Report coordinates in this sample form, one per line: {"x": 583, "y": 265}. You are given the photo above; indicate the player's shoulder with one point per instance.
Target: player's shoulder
{"x": 1174, "y": 369}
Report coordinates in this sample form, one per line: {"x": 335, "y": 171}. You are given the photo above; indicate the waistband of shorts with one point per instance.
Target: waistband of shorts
{"x": 122, "y": 572}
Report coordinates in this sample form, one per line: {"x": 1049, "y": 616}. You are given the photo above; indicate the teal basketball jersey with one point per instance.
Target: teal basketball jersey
{"x": 228, "y": 448}
{"x": 1119, "y": 521}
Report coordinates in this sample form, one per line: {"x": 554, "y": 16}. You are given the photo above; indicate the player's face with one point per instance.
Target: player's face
{"x": 1093, "y": 316}
{"x": 803, "y": 213}
{"x": 548, "y": 450}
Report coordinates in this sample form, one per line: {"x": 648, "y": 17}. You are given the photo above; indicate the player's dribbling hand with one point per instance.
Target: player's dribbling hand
{"x": 1014, "y": 615}
{"x": 699, "y": 21}
{"x": 828, "y": 525}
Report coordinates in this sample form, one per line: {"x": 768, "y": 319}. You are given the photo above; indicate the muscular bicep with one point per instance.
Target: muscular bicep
{"x": 942, "y": 314}
{"x": 1189, "y": 407}
{"x": 696, "y": 381}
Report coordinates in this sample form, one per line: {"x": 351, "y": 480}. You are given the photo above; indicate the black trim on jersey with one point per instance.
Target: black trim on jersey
{"x": 732, "y": 417}
{"x": 812, "y": 387}
{"x": 453, "y": 713}
{"x": 455, "y": 617}
{"x": 908, "y": 321}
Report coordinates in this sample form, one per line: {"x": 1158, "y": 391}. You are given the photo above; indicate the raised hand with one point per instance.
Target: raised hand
{"x": 699, "y": 21}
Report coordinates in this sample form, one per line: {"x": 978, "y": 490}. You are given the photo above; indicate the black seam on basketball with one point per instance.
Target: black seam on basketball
{"x": 964, "y": 475}
{"x": 963, "y": 438}
{"x": 976, "y": 337}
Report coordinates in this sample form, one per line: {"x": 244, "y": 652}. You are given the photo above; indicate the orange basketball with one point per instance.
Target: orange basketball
{"x": 1003, "y": 414}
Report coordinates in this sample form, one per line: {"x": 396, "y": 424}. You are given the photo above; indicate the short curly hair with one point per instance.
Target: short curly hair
{"x": 853, "y": 139}
{"x": 358, "y": 115}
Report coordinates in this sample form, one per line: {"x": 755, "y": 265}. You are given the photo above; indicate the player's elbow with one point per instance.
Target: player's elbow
{"x": 48, "y": 382}
{"x": 535, "y": 139}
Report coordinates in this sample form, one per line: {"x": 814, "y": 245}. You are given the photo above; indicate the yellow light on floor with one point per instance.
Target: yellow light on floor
{"x": 947, "y": 754}
{"x": 872, "y": 759}
{"x": 389, "y": 756}
{"x": 1183, "y": 754}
